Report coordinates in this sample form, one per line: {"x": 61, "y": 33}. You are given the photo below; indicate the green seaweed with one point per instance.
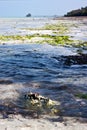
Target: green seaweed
{"x": 58, "y": 28}
{"x": 11, "y": 37}
{"x": 14, "y": 37}
{"x": 80, "y": 44}
{"x": 63, "y": 40}
{"x": 54, "y": 40}
{"x": 81, "y": 95}
{"x": 57, "y": 40}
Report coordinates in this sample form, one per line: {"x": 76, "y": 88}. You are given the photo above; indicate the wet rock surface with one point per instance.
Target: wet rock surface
{"x": 74, "y": 59}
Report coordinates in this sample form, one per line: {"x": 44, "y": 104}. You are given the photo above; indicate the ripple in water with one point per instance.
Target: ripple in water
{"x": 41, "y": 68}
{"x": 37, "y": 63}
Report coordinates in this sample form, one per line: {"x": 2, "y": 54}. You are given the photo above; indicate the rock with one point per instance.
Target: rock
{"x": 5, "y": 81}
{"x": 28, "y": 15}
{"x": 74, "y": 59}
{"x": 40, "y": 103}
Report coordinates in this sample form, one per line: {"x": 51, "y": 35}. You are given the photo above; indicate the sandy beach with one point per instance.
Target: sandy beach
{"x": 17, "y": 122}
{"x": 37, "y": 124}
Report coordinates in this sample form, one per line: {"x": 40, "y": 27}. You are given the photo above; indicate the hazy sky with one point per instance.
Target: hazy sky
{"x": 19, "y": 8}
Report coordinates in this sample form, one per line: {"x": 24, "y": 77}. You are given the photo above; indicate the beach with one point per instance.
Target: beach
{"x": 45, "y": 56}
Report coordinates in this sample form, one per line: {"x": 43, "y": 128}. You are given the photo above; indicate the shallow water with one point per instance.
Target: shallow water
{"x": 13, "y": 26}
{"x": 36, "y": 68}
{"x": 39, "y": 68}
{"x": 37, "y": 63}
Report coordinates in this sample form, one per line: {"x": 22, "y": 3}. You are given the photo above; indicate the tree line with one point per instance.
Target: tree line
{"x": 77, "y": 12}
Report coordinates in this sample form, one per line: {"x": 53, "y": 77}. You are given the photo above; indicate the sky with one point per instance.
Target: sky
{"x": 20, "y": 8}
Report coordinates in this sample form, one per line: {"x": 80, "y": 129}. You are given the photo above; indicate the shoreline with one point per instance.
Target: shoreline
{"x": 53, "y": 123}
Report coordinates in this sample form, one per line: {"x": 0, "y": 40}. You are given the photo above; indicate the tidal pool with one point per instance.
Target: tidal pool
{"x": 41, "y": 68}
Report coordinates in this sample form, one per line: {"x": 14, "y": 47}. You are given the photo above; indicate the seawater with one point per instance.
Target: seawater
{"x": 38, "y": 68}
{"x": 38, "y": 63}
{"x": 14, "y": 26}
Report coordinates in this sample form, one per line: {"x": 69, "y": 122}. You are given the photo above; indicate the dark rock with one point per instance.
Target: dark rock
{"x": 5, "y": 81}
{"x": 74, "y": 59}
{"x": 28, "y": 15}
{"x": 64, "y": 87}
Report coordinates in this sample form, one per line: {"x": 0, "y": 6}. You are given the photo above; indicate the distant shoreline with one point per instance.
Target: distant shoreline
{"x": 50, "y": 17}
{"x": 71, "y": 18}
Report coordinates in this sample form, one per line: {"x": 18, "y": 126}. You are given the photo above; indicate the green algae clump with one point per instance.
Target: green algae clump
{"x": 81, "y": 95}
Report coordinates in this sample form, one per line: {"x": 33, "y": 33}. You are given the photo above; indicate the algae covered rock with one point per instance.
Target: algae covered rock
{"x": 41, "y": 104}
